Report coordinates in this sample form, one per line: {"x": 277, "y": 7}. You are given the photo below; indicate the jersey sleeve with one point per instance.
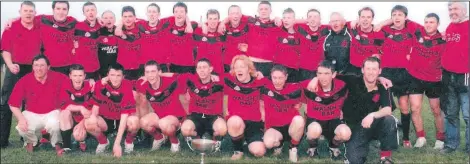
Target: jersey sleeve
{"x": 6, "y": 40}
{"x": 97, "y": 97}
{"x": 64, "y": 97}
{"x": 139, "y": 86}
{"x": 128, "y": 102}
{"x": 18, "y": 94}
{"x": 386, "y": 99}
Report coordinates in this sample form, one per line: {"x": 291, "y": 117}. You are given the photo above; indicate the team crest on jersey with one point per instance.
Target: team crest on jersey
{"x": 317, "y": 99}
{"x": 55, "y": 26}
{"x": 421, "y": 40}
{"x": 308, "y": 37}
{"x": 284, "y": 40}
{"x": 204, "y": 87}
{"x": 333, "y": 62}
{"x": 147, "y": 32}
{"x": 123, "y": 36}
{"x": 390, "y": 36}
{"x": 105, "y": 40}
{"x": 290, "y": 36}
{"x": 344, "y": 43}
{"x": 87, "y": 34}
{"x": 204, "y": 39}
{"x": 152, "y": 99}
{"x": 196, "y": 90}
{"x": 376, "y": 97}
{"x": 230, "y": 33}
{"x": 237, "y": 88}
{"x": 72, "y": 97}
{"x": 108, "y": 94}
{"x": 175, "y": 32}
{"x": 257, "y": 23}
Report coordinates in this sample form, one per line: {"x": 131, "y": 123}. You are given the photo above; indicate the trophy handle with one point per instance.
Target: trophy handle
{"x": 189, "y": 144}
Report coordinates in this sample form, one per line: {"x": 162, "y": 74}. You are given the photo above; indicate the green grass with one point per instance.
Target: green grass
{"x": 16, "y": 154}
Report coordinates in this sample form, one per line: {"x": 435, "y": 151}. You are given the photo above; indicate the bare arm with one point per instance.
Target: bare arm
{"x": 225, "y": 107}
{"x": 22, "y": 122}
{"x": 261, "y": 107}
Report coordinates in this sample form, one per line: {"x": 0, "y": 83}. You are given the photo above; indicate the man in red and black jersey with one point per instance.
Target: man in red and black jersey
{"x": 182, "y": 45}
{"x": 86, "y": 42}
{"x": 288, "y": 46}
{"x": 155, "y": 38}
{"x": 365, "y": 41}
{"x": 163, "y": 95}
{"x": 425, "y": 69}
{"x": 311, "y": 47}
{"x": 243, "y": 115}
{"x": 20, "y": 43}
{"x": 75, "y": 95}
{"x": 399, "y": 33}
{"x": 113, "y": 102}
{"x": 324, "y": 111}
{"x": 57, "y": 33}
{"x": 107, "y": 43}
{"x": 129, "y": 43}
{"x": 236, "y": 35}
{"x": 283, "y": 123}
{"x": 210, "y": 43}
{"x": 205, "y": 105}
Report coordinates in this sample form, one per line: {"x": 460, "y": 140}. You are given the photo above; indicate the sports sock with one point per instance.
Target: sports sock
{"x": 405, "y": 123}
{"x": 66, "y": 138}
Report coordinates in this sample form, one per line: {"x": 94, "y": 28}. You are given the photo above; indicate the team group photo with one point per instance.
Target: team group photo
{"x": 306, "y": 82}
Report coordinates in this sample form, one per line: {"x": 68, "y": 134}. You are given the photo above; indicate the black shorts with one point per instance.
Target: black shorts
{"x": 400, "y": 78}
{"x": 179, "y": 69}
{"x": 226, "y": 68}
{"x": 64, "y": 70}
{"x": 203, "y": 123}
{"x": 134, "y": 74}
{"x": 253, "y": 131}
{"x": 113, "y": 126}
{"x": 431, "y": 89}
{"x": 284, "y": 130}
{"x": 264, "y": 68}
{"x": 306, "y": 74}
{"x": 164, "y": 67}
{"x": 328, "y": 126}
{"x": 353, "y": 70}
{"x": 293, "y": 75}
{"x": 92, "y": 75}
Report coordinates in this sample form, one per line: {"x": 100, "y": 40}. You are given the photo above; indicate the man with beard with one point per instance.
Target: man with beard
{"x": 20, "y": 43}
{"x": 455, "y": 76}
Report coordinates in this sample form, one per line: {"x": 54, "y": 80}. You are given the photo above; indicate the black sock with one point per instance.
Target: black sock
{"x": 313, "y": 143}
{"x": 46, "y": 136}
{"x": 66, "y": 138}
{"x": 405, "y": 126}
{"x": 238, "y": 143}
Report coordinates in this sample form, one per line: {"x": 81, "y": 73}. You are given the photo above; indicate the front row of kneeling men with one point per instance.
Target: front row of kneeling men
{"x": 340, "y": 107}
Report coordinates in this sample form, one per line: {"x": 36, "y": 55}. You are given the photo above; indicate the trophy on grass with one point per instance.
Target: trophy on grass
{"x": 203, "y": 146}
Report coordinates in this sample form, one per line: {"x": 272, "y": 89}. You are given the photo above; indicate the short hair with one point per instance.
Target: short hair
{"x": 247, "y": 61}
{"x": 152, "y": 63}
{"x": 327, "y": 64}
{"x": 28, "y": 3}
{"x": 288, "y": 10}
{"x": 371, "y": 59}
{"x": 314, "y": 10}
{"x": 204, "y": 60}
{"x": 212, "y": 11}
{"x": 233, "y": 6}
{"x": 433, "y": 15}
{"x": 76, "y": 67}
{"x": 154, "y": 5}
{"x": 279, "y": 68}
{"x": 180, "y": 4}
{"x": 108, "y": 11}
{"x": 55, "y": 2}
{"x": 128, "y": 9}
{"x": 462, "y": 3}
{"x": 88, "y": 4}
{"x": 41, "y": 56}
{"x": 400, "y": 8}
{"x": 366, "y": 9}
{"x": 116, "y": 66}
{"x": 265, "y": 2}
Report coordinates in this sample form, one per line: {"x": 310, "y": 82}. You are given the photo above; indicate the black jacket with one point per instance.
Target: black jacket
{"x": 336, "y": 48}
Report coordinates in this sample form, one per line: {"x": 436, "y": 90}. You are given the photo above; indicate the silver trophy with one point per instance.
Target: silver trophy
{"x": 202, "y": 146}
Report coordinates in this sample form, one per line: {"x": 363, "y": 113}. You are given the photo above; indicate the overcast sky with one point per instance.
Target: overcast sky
{"x": 417, "y": 10}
